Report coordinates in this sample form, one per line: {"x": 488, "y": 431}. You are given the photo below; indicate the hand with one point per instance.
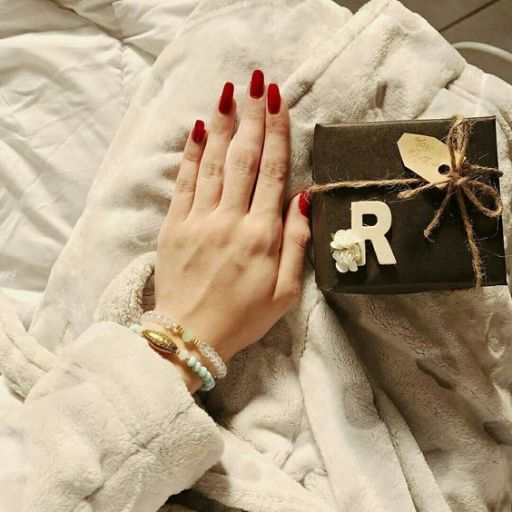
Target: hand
{"x": 228, "y": 265}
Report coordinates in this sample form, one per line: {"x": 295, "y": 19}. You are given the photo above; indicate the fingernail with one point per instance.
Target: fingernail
{"x": 226, "y": 98}
{"x": 198, "y": 131}
{"x": 257, "y": 84}
{"x": 305, "y": 202}
{"x": 274, "y": 99}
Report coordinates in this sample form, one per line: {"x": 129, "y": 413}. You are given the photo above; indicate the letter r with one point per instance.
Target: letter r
{"x": 376, "y": 233}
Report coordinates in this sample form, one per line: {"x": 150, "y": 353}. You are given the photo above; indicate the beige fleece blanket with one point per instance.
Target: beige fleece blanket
{"x": 367, "y": 403}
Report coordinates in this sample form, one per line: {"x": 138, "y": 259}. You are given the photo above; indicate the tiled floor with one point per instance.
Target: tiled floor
{"x": 484, "y": 21}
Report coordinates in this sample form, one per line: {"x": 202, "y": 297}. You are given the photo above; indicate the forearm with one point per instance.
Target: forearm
{"x": 110, "y": 421}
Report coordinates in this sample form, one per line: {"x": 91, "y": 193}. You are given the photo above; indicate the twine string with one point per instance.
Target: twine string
{"x": 463, "y": 181}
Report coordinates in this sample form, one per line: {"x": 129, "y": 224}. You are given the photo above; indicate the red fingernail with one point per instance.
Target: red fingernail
{"x": 304, "y": 202}
{"x": 226, "y": 98}
{"x": 257, "y": 84}
{"x": 198, "y": 131}
{"x": 274, "y": 99}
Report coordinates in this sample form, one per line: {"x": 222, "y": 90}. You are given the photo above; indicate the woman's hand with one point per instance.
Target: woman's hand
{"x": 228, "y": 265}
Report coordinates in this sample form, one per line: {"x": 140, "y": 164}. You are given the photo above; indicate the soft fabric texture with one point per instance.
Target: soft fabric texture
{"x": 368, "y": 403}
{"x": 67, "y": 77}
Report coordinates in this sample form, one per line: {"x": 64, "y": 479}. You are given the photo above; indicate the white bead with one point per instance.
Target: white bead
{"x": 136, "y": 328}
{"x": 183, "y": 354}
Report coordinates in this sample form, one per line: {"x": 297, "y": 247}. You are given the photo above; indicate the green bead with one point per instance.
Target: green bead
{"x": 202, "y": 371}
{"x": 207, "y": 386}
{"x": 197, "y": 366}
{"x": 187, "y": 336}
{"x": 191, "y": 361}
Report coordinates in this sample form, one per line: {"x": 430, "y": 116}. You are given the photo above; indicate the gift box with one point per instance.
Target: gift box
{"x": 366, "y": 152}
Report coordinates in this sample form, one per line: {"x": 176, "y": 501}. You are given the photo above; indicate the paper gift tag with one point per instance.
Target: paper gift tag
{"x": 424, "y": 155}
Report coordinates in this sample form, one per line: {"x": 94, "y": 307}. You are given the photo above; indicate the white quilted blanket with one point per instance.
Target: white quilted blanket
{"x": 68, "y": 70}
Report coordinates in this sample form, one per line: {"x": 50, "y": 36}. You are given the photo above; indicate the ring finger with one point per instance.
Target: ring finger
{"x": 211, "y": 169}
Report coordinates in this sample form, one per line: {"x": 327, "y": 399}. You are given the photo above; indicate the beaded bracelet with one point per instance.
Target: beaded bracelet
{"x": 171, "y": 325}
{"x": 162, "y": 340}
{"x": 163, "y": 343}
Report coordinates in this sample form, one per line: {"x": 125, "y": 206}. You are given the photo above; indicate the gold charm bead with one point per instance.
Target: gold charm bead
{"x": 160, "y": 341}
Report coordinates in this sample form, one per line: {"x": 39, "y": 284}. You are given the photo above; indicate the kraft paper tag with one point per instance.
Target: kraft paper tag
{"x": 424, "y": 155}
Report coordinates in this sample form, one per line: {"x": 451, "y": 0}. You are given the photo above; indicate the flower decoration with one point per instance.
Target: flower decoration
{"x": 346, "y": 250}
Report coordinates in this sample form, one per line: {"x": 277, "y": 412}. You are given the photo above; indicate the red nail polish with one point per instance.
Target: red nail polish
{"x": 257, "y": 84}
{"x": 198, "y": 131}
{"x": 304, "y": 202}
{"x": 274, "y": 99}
{"x": 226, "y": 98}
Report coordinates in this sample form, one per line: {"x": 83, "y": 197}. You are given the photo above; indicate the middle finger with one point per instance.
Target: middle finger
{"x": 244, "y": 156}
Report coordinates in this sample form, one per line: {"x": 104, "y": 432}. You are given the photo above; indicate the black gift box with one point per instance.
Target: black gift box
{"x": 369, "y": 151}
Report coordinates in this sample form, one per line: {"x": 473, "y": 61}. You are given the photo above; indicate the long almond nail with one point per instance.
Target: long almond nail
{"x": 305, "y": 202}
{"x": 257, "y": 84}
{"x": 198, "y": 131}
{"x": 274, "y": 99}
{"x": 226, "y": 98}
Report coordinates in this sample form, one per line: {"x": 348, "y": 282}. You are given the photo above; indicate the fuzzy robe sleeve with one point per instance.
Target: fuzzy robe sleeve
{"x": 111, "y": 427}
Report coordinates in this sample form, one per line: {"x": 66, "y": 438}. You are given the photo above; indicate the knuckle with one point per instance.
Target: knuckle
{"x": 212, "y": 169}
{"x": 219, "y": 126}
{"x": 184, "y": 185}
{"x": 254, "y": 114}
{"x": 275, "y": 169}
{"x": 278, "y": 126}
{"x": 260, "y": 237}
{"x": 301, "y": 238}
{"x": 221, "y": 232}
{"x": 192, "y": 157}
{"x": 244, "y": 160}
{"x": 291, "y": 293}
{"x": 255, "y": 245}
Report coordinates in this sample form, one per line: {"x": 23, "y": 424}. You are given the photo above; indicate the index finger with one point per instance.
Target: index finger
{"x": 275, "y": 157}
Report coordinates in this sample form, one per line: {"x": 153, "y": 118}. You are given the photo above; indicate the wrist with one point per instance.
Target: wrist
{"x": 216, "y": 350}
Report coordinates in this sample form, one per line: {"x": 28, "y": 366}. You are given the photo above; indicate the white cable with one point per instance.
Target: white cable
{"x": 485, "y": 48}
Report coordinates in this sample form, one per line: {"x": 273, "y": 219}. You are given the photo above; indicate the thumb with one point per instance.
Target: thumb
{"x": 296, "y": 235}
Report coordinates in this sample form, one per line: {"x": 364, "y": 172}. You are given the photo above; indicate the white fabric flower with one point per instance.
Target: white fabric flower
{"x": 346, "y": 250}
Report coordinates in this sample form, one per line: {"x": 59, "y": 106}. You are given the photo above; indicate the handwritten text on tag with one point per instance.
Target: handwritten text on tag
{"x": 424, "y": 155}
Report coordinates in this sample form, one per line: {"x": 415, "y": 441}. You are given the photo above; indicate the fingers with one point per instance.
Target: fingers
{"x": 211, "y": 169}
{"x": 296, "y": 235}
{"x": 275, "y": 158}
{"x": 184, "y": 188}
{"x": 244, "y": 157}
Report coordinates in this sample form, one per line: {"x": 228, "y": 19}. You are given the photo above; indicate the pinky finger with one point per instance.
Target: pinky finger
{"x": 185, "y": 185}
{"x": 296, "y": 235}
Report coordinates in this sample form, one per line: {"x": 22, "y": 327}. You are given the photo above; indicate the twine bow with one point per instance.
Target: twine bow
{"x": 463, "y": 180}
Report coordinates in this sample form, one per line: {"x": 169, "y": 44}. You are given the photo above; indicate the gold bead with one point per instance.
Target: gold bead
{"x": 176, "y": 329}
{"x": 159, "y": 339}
